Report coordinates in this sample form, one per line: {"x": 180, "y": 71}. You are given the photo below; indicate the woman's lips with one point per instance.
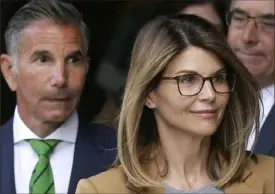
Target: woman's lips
{"x": 205, "y": 113}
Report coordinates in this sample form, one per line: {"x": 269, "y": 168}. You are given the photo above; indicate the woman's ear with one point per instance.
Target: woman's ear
{"x": 151, "y": 100}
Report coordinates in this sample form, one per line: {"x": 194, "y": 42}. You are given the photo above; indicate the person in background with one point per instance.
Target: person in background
{"x": 251, "y": 35}
{"x": 188, "y": 109}
{"x": 46, "y": 147}
{"x": 211, "y": 10}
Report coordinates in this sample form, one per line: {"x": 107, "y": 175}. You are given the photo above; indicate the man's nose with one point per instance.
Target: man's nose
{"x": 250, "y": 34}
{"x": 59, "y": 77}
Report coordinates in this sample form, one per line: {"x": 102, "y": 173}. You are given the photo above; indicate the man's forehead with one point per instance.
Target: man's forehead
{"x": 45, "y": 35}
{"x": 254, "y": 7}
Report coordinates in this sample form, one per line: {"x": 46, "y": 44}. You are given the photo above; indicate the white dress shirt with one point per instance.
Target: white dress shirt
{"x": 268, "y": 101}
{"x": 25, "y": 158}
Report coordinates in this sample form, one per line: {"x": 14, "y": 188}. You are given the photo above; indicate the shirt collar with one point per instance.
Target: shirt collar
{"x": 268, "y": 93}
{"x": 66, "y": 132}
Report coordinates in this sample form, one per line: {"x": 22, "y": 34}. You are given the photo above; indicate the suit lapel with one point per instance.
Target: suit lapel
{"x": 7, "y": 183}
{"x": 89, "y": 156}
{"x": 265, "y": 144}
{"x": 241, "y": 187}
{"x": 81, "y": 158}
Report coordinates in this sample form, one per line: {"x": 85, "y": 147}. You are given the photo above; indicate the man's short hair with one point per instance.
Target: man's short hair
{"x": 57, "y": 11}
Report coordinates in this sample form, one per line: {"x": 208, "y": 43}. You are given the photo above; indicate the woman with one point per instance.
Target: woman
{"x": 188, "y": 109}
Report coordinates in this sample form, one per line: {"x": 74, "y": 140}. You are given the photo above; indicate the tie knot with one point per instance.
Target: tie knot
{"x": 43, "y": 147}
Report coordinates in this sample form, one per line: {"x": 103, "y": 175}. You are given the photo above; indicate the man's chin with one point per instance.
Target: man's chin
{"x": 57, "y": 117}
{"x": 255, "y": 71}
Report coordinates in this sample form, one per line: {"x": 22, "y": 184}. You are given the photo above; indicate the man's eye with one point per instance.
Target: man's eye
{"x": 74, "y": 60}
{"x": 268, "y": 23}
{"x": 238, "y": 17}
{"x": 43, "y": 59}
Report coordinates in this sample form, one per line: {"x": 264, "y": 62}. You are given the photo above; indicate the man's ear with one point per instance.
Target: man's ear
{"x": 151, "y": 100}
{"x": 8, "y": 71}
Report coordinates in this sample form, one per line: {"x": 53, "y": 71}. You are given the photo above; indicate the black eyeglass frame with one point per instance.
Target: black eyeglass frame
{"x": 256, "y": 19}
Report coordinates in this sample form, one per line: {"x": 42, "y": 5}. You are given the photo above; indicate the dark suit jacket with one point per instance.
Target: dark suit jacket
{"x": 95, "y": 150}
{"x": 265, "y": 144}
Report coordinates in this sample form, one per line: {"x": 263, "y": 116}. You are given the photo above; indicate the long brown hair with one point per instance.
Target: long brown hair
{"x": 158, "y": 42}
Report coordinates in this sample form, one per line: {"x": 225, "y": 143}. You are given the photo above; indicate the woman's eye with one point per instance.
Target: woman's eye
{"x": 219, "y": 78}
{"x": 188, "y": 79}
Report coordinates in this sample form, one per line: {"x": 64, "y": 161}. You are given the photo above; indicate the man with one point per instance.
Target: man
{"x": 251, "y": 35}
{"x": 45, "y": 147}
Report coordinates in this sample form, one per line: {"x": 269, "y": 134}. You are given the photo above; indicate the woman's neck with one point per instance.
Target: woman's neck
{"x": 187, "y": 157}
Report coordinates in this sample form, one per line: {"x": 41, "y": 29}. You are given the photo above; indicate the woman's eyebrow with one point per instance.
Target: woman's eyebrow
{"x": 195, "y": 72}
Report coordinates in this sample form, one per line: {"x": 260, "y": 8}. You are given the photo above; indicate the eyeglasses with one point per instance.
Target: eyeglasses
{"x": 192, "y": 84}
{"x": 239, "y": 19}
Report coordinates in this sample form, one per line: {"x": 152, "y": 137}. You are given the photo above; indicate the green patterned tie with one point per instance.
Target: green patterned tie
{"x": 42, "y": 176}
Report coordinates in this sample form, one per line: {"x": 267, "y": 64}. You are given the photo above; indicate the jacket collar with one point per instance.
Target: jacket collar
{"x": 241, "y": 187}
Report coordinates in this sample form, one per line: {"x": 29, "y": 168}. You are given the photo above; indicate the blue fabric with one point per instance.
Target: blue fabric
{"x": 95, "y": 150}
{"x": 265, "y": 143}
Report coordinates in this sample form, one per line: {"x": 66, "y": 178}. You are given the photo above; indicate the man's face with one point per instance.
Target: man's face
{"x": 253, "y": 41}
{"x": 51, "y": 71}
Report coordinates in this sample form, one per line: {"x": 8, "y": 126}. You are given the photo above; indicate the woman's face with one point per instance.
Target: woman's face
{"x": 199, "y": 114}
{"x": 205, "y": 11}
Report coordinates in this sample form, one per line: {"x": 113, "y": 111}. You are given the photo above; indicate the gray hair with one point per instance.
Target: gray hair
{"x": 61, "y": 13}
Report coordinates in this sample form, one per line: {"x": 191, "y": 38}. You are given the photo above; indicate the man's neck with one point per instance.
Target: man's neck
{"x": 266, "y": 83}
{"x": 41, "y": 129}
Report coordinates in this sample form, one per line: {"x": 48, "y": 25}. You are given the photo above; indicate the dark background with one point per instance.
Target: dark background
{"x": 102, "y": 18}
